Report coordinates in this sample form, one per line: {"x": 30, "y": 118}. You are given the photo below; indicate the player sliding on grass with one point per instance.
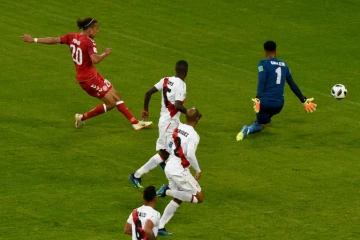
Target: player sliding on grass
{"x": 173, "y": 96}
{"x": 143, "y": 222}
{"x": 269, "y": 99}
{"x": 84, "y": 54}
{"x": 182, "y": 185}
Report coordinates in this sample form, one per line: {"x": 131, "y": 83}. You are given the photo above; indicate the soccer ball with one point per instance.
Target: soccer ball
{"x": 338, "y": 91}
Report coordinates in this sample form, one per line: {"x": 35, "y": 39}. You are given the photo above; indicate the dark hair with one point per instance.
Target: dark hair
{"x": 149, "y": 193}
{"x": 85, "y": 23}
{"x": 181, "y": 66}
{"x": 270, "y": 46}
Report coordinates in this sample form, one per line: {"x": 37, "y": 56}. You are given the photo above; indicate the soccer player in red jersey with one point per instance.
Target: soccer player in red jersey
{"x": 84, "y": 54}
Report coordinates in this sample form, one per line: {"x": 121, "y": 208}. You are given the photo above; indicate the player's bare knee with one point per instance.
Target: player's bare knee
{"x": 110, "y": 105}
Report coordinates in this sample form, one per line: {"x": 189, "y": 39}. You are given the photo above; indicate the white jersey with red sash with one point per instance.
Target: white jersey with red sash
{"x": 183, "y": 148}
{"x": 173, "y": 89}
{"x": 138, "y": 218}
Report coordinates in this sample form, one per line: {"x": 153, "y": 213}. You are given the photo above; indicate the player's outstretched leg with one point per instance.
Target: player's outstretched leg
{"x": 255, "y": 127}
{"x": 121, "y": 107}
{"x": 184, "y": 196}
{"x": 136, "y": 181}
{"x": 167, "y": 215}
{"x": 80, "y": 118}
{"x": 246, "y": 130}
{"x": 153, "y": 162}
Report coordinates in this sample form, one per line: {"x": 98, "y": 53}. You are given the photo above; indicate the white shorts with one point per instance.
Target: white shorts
{"x": 185, "y": 182}
{"x": 165, "y": 134}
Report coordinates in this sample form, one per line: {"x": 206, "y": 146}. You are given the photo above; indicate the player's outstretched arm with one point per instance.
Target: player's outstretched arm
{"x": 180, "y": 107}
{"x": 307, "y": 102}
{"x": 48, "y": 40}
{"x": 96, "y": 58}
{"x": 145, "y": 112}
{"x": 148, "y": 230}
{"x": 128, "y": 229}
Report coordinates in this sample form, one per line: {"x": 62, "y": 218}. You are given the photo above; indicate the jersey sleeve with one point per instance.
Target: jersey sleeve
{"x": 130, "y": 219}
{"x": 180, "y": 93}
{"x": 155, "y": 219}
{"x": 261, "y": 79}
{"x": 66, "y": 39}
{"x": 91, "y": 47}
{"x": 192, "y": 147}
{"x": 293, "y": 86}
{"x": 159, "y": 85}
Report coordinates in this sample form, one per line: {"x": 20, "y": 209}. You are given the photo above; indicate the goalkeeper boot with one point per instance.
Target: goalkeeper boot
{"x": 243, "y": 133}
{"x": 136, "y": 181}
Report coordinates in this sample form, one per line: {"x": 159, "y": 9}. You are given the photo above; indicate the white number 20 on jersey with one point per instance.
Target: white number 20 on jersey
{"x": 76, "y": 54}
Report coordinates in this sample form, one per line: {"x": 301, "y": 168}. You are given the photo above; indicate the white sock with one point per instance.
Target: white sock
{"x": 183, "y": 196}
{"x": 150, "y": 165}
{"x": 168, "y": 213}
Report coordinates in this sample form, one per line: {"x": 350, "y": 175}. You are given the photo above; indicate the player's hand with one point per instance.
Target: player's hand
{"x": 197, "y": 175}
{"x": 27, "y": 38}
{"x": 256, "y": 104}
{"x": 107, "y": 51}
{"x": 144, "y": 114}
{"x": 309, "y": 105}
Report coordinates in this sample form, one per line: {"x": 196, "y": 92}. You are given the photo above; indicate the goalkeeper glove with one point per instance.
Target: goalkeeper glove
{"x": 256, "y": 104}
{"x": 309, "y": 105}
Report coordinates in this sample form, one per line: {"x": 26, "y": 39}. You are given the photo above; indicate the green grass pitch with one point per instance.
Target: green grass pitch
{"x": 298, "y": 179}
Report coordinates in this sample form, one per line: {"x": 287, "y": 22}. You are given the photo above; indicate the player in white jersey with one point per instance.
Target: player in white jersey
{"x": 173, "y": 97}
{"x": 143, "y": 222}
{"x": 182, "y": 185}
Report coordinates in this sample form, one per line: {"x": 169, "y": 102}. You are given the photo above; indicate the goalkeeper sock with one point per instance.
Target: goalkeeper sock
{"x": 255, "y": 127}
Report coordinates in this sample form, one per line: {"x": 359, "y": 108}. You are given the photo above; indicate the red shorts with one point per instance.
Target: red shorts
{"x": 96, "y": 87}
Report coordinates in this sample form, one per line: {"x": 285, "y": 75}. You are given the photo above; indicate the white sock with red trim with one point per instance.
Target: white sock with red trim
{"x": 150, "y": 165}
{"x": 183, "y": 196}
{"x": 168, "y": 213}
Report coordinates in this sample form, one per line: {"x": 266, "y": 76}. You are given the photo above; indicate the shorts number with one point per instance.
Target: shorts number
{"x": 76, "y": 53}
{"x": 278, "y": 73}
{"x": 107, "y": 83}
{"x": 138, "y": 230}
{"x": 177, "y": 142}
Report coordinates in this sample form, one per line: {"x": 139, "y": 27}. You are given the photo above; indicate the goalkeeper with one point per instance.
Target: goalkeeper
{"x": 272, "y": 74}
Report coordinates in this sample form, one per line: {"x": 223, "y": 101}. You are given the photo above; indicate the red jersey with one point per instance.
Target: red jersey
{"x": 81, "y": 47}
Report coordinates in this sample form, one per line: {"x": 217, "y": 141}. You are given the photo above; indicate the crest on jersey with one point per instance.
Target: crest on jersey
{"x": 261, "y": 68}
{"x": 105, "y": 88}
